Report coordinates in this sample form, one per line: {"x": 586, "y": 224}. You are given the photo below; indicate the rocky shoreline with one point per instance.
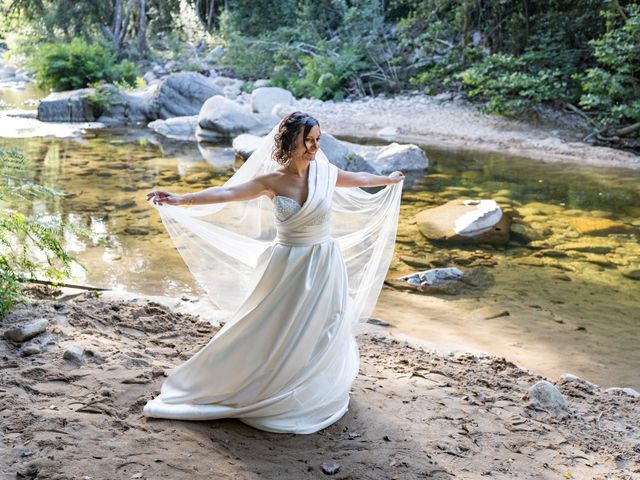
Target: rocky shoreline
{"x": 414, "y": 413}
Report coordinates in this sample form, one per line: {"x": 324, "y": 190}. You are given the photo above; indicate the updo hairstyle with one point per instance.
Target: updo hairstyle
{"x": 287, "y": 133}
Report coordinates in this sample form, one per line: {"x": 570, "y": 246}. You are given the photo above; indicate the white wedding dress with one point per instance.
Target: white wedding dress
{"x": 286, "y": 358}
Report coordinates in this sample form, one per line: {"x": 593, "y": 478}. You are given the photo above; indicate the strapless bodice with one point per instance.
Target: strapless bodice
{"x": 313, "y": 228}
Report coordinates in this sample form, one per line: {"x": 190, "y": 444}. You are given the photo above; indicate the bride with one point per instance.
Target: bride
{"x": 298, "y": 262}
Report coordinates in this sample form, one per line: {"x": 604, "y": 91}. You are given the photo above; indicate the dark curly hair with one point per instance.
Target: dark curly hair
{"x": 288, "y": 132}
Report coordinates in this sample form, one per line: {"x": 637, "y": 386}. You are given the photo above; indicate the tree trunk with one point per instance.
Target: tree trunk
{"x": 117, "y": 17}
{"x": 211, "y": 15}
{"x": 124, "y": 26}
{"x": 142, "y": 32}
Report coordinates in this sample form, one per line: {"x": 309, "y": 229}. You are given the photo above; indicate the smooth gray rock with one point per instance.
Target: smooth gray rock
{"x": 221, "y": 118}
{"x": 182, "y": 94}
{"x": 393, "y": 157}
{"x": 126, "y": 108}
{"x": 265, "y": 98}
{"x": 69, "y": 106}
{"x": 74, "y": 353}
{"x": 36, "y": 345}
{"x": 546, "y": 396}
{"x": 245, "y": 144}
{"x": 342, "y": 156}
{"x": 178, "y": 128}
{"x": 22, "y": 333}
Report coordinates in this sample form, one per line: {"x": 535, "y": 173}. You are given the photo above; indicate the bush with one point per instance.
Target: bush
{"x": 611, "y": 88}
{"x": 76, "y": 64}
{"x": 23, "y": 237}
{"x": 507, "y": 85}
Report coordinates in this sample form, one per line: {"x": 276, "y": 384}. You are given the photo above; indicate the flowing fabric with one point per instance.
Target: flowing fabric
{"x": 292, "y": 282}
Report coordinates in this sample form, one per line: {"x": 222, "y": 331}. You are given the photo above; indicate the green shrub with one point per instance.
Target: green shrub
{"x": 612, "y": 88}
{"x": 76, "y": 64}
{"x": 507, "y": 85}
{"x": 23, "y": 237}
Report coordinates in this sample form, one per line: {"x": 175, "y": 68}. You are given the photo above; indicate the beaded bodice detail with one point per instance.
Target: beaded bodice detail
{"x": 285, "y": 207}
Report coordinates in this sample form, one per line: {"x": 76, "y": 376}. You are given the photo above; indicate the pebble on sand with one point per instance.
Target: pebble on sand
{"x": 25, "y": 332}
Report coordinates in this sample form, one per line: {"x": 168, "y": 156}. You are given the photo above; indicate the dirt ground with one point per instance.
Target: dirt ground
{"x": 414, "y": 413}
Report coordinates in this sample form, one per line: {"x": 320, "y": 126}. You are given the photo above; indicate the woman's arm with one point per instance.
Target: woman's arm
{"x": 364, "y": 179}
{"x": 245, "y": 191}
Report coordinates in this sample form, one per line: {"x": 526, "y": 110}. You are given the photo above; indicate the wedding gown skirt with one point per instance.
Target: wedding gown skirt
{"x": 286, "y": 360}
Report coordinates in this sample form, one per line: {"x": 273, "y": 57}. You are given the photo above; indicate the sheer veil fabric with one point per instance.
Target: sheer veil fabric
{"x": 292, "y": 282}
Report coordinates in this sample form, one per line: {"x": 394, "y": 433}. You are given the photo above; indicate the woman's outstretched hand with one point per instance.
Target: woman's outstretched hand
{"x": 160, "y": 197}
{"x": 396, "y": 177}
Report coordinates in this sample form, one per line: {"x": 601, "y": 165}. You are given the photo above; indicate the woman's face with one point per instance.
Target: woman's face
{"x": 307, "y": 147}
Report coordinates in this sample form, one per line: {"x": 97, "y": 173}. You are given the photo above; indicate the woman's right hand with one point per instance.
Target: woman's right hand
{"x": 160, "y": 197}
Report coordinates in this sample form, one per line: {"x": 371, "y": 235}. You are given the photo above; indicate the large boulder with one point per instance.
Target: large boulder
{"x": 390, "y": 158}
{"x": 182, "y": 94}
{"x": 221, "y": 118}
{"x": 245, "y": 144}
{"x": 124, "y": 108}
{"x": 178, "y": 128}
{"x": 264, "y": 99}
{"x": 475, "y": 221}
{"x": 70, "y": 106}
{"x": 342, "y": 155}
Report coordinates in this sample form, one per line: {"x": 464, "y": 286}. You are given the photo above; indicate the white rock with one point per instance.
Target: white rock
{"x": 223, "y": 118}
{"x": 623, "y": 391}
{"x": 546, "y": 396}
{"x": 400, "y": 157}
{"x": 433, "y": 276}
{"x": 479, "y": 220}
{"x": 263, "y": 99}
{"x": 245, "y": 144}
{"x": 281, "y": 110}
{"x": 388, "y": 133}
{"x": 179, "y": 128}
{"x": 23, "y": 333}
{"x": 262, "y": 82}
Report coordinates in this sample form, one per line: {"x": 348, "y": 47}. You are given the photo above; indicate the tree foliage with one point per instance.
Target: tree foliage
{"x": 29, "y": 247}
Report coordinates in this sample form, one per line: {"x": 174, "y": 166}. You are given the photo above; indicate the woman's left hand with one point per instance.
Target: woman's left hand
{"x": 396, "y": 177}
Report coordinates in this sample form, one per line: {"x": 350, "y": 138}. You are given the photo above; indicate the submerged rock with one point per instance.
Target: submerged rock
{"x": 598, "y": 226}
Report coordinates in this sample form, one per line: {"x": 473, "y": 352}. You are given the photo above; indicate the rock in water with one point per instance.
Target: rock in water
{"x": 221, "y": 118}
{"x": 433, "y": 276}
{"x": 546, "y": 396}
{"x": 460, "y": 221}
{"x": 478, "y": 220}
{"x": 23, "y": 333}
{"x": 245, "y": 144}
{"x": 182, "y": 94}
{"x": 598, "y": 226}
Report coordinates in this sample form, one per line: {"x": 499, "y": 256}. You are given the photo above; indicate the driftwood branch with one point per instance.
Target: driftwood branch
{"x": 68, "y": 285}
{"x": 626, "y": 131}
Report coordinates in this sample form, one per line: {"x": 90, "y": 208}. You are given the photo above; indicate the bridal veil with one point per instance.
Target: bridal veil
{"x": 222, "y": 243}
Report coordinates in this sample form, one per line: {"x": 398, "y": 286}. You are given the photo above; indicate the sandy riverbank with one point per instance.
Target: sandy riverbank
{"x": 414, "y": 413}
{"x": 459, "y": 125}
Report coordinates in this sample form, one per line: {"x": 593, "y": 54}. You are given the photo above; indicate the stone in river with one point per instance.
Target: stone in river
{"x": 198, "y": 177}
{"x": 632, "y": 273}
{"x": 476, "y": 221}
{"x": 489, "y": 312}
{"x": 598, "y": 226}
{"x": 23, "y": 333}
